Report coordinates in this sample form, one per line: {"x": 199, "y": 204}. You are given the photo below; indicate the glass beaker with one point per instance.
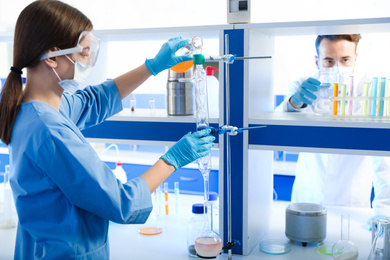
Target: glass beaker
{"x": 344, "y": 249}
{"x": 194, "y": 46}
{"x": 378, "y": 247}
{"x": 323, "y": 104}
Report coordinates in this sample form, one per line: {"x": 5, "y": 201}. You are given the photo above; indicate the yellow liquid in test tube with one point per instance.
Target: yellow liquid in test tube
{"x": 365, "y": 95}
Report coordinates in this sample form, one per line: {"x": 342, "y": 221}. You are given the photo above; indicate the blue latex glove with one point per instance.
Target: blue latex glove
{"x": 166, "y": 57}
{"x": 190, "y": 147}
{"x": 305, "y": 93}
{"x": 369, "y": 222}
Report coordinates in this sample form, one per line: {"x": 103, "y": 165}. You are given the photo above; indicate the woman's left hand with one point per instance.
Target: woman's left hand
{"x": 166, "y": 57}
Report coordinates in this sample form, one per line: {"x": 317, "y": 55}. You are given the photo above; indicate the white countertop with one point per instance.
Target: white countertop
{"x": 125, "y": 242}
{"x": 171, "y": 244}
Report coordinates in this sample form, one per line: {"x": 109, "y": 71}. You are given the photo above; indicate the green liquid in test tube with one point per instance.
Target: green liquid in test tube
{"x": 342, "y": 100}
{"x": 382, "y": 96}
{"x": 365, "y": 95}
{"x": 374, "y": 95}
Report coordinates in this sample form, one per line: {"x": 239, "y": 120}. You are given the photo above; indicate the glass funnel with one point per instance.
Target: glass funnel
{"x": 345, "y": 249}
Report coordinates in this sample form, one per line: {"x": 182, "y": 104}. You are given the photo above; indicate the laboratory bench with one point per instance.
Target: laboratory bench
{"x": 171, "y": 244}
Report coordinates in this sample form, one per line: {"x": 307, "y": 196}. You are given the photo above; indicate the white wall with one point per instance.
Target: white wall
{"x": 157, "y": 13}
{"x": 294, "y": 56}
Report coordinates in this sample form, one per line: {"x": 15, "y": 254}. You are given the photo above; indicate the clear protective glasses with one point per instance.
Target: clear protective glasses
{"x": 87, "y": 50}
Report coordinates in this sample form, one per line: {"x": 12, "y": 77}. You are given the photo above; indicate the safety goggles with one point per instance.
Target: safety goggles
{"x": 87, "y": 50}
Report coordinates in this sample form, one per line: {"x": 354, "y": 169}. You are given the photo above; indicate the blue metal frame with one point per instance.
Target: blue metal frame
{"x": 331, "y": 137}
{"x": 145, "y": 131}
{"x": 236, "y": 78}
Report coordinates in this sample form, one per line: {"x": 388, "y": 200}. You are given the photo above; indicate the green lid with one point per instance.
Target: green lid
{"x": 198, "y": 59}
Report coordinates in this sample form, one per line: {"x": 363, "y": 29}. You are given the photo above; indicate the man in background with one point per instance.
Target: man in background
{"x": 336, "y": 179}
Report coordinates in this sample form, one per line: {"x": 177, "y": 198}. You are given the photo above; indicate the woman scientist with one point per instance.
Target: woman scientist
{"x": 64, "y": 194}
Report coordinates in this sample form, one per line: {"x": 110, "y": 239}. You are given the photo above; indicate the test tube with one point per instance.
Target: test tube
{"x": 160, "y": 199}
{"x": 382, "y": 89}
{"x": 365, "y": 94}
{"x": 133, "y": 102}
{"x": 156, "y": 202}
{"x": 152, "y": 104}
{"x": 166, "y": 197}
{"x": 374, "y": 95}
{"x": 343, "y": 94}
{"x": 335, "y": 94}
{"x": 176, "y": 185}
{"x": 388, "y": 96}
{"x": 350, "y": 94}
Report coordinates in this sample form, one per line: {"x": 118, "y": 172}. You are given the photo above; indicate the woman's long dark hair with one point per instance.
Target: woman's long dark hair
{"x": 41, "y": 26}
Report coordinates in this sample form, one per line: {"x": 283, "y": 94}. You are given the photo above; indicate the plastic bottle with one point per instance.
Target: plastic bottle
{"x": 213, "y": 90}
{"x": 120, "y": 174}
{"x": 133, "y": 102}
{"x": 323, "y": 104}
{"x": 195, "y": 227}
{"x": 194, "y": 46}
{"x": 9, "y": 214}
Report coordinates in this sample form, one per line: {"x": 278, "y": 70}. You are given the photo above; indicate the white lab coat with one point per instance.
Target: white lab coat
{"x": 339, "y": 179}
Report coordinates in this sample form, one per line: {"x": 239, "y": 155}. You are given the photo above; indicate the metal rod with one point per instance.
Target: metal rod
{"x": 228, "y": 165}
{"x": 252, "y": 127}
{"x": 220, "y": 58}
{"x": 250, "y": 58}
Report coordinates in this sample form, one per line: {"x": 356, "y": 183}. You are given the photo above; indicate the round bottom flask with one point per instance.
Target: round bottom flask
{"x": 208, "y": 244}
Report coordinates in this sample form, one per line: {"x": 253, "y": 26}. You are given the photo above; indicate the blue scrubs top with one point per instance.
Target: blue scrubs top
{"x": 64, "y": 194}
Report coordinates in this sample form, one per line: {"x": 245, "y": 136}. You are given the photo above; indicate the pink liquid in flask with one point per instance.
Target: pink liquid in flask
{"x": 208, "y": 246}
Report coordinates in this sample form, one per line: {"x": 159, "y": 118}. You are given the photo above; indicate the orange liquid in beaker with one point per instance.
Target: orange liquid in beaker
{"x": 182, "y": 66}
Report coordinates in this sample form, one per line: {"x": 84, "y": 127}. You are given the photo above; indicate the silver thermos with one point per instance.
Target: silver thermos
{"x": 180, "y": 95}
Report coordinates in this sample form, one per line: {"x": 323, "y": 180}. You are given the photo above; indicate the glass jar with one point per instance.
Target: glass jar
{"x": 323, "y": 104}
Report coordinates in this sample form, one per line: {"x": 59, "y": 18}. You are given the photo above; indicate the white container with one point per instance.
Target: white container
{"x": 120, "y": 173}
{"x": 213, "y": 91}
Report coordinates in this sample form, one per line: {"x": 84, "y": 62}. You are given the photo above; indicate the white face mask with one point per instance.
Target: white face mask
{"x": 81, "y": 73}
{"x": 342, "y": 70}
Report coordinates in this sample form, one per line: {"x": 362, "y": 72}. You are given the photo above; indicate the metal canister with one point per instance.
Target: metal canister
{"x": 305, "y": 222}
{"x": 180, "y": 93}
